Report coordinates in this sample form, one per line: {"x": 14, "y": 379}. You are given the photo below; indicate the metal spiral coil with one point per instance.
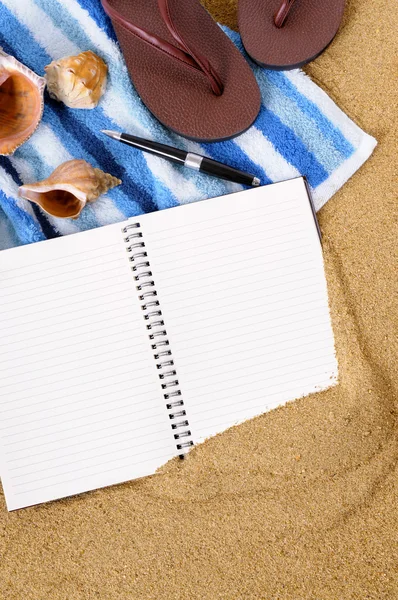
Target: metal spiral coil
{"x": 155, "y": 323}
{"x": 154, "y": 313}
{"x": 131, "y": 226}
{"x": 132, "y": 237}
{"x": 166, "y": 363}
{"x": 140, "y": 265}
{"x": 181, "y": 424}
{"x": 157, "y": 333}
{"x": 168, "y": 374}
{"x": 174, "y": 404}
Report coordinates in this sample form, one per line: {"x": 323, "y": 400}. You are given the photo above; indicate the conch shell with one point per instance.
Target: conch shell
{"x": 68, "y": 189}
{"x": 77, "y": 81}
{"x": 21, "y": 103}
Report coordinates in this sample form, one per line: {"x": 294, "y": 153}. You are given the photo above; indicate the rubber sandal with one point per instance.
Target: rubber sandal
{"x": 286, "y": 34}
{"x": 185, "y": 69}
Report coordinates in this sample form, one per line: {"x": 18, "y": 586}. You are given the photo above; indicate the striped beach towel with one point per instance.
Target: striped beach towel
{"x": 299, "y": 131}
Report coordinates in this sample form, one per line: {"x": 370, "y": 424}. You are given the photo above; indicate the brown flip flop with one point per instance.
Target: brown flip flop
{"x": 185, "y": 69}
{"x": 286, "y": 34}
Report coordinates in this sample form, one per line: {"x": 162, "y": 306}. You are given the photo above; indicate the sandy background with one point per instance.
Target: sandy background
{"x": 300, "y": 503}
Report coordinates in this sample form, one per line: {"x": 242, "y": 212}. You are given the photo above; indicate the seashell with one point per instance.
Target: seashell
{"x": 77, "y": 81}
{"x": 21, "y": 103}
{"x": 68, "y": 189}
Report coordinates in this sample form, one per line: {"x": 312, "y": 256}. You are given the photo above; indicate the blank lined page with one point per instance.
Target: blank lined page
{"x": 241, "y": 284}
{"x": 80, "y": 401}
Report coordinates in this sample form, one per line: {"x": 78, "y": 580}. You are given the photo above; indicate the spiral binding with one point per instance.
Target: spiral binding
{"x": 157, "y": 334}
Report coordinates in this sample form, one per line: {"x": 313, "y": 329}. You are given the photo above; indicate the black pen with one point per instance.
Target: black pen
{"x": 188, "y": 159}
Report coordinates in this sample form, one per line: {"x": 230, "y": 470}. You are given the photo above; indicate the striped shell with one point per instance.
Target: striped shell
{"x": 21, "y": 103}
{"x": 67, "y": 190}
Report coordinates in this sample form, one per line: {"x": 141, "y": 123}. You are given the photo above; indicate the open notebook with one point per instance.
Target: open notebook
{"x": 123, "y": 346}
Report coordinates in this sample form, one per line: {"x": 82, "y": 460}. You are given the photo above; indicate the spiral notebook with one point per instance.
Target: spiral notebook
{"x": 124, "y": 346}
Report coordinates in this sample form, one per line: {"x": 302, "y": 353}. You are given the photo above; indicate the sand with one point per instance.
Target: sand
{"x": 300, "y": 503}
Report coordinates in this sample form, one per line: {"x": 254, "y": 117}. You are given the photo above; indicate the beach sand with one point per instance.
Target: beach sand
{"x": 300, "y": 503}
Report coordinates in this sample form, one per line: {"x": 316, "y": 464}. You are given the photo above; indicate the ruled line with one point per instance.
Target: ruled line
{"x": 67, "y": 379}
{"x": 80, "y": 418}
{"x": 216, "y": 270}
{"x": 81, "y": 443}
{"x": 81, "y": 333}
{"x": 215, "y": 322}
{"x": 253, "y": 337}
{"x": 257, "y": 325}
{"x": 280, "y": 391}
{"x": 262, "y": 407}
{"x": 49, "y": 260}
{"x": 247, "y": 298}
{"x": 265, "y": 371}
{"x": 163, "y": 261}
{"x": 125, "y": 331}
{"x": 158, "y": 458}
{"x": 244, "y": 305}
{"x": 54, "y": 416}
{"x": 47, "y": 273}
{"x": 220, "y": 235}
{"x": 247, "y": 294}
{"x": 107, "y": 462}
{"x": 75, "y": 319}
{"x": 82, "y": 460}
{"x": 60, "y": 431}
{"x": 120, "y": 440}
{"x": 78, "y": 360}
{"x": 220, "y": 238}
{"x": 53, "y": 409}
{"x": 261, "y": 372}
{"x": 212, "y": 264}
{"x": 68, "y": 395}
{"x": 88, "y": 282}
{"x": 105, "y": 354}
{"x": 242, "y": 276}
{"x": 233, "y": 279}
{"x": 155, "y": 233}
{"x": 186, "y": 360}
{"x": 61, "y": 308}
{"x": 245, "y": 357}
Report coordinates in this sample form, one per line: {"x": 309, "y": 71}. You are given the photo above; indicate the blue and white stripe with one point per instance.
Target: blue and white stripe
{"x": 299, "y": 130}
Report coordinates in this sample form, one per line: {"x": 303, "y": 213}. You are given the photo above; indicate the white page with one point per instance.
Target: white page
{"x": 242, "y": 289}
{"x": 80, "y": 400}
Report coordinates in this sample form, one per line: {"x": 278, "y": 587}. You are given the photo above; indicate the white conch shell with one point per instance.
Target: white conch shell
{"x": 77, "y": 81}
{"x": 68, "y": 189}
{"x": 21, "y": 103}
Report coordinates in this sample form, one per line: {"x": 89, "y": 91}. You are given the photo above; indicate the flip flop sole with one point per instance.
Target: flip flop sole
{"x": 180, "y": 97}
{"x": 195, "y": 139}
{"x": 309, "y": 29}
{"x": 295, "y": 66}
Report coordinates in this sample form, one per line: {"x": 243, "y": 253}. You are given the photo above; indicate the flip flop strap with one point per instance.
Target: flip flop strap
{"x": 187, "y": 56}
{"x": 282, "y": 12}
{"x": 202, "y": 61}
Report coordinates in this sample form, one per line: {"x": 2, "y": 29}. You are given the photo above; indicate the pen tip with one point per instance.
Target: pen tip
{"x": 112, "y": 134}
{"x": 256, "y": 182}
